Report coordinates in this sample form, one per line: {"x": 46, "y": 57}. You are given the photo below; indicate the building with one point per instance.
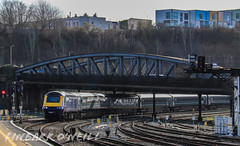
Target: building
{"x": 198, "y": 18}
{"x": 93, "y": 21}
{"x": 221, "y": 19}
{"x": 236, "y": 17}
{"x": 133, "y": 23}
{"x": 173, "y": 17}
{"x": 213, "y": 18}
{"x": 228, "y": 22}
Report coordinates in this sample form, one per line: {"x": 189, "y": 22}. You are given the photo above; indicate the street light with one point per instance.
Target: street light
{"x": 11, "y": 54}
{"x": 69, "y": 54}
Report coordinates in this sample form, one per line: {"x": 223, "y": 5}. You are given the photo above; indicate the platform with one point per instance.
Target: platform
{"x": 12, "y": 136}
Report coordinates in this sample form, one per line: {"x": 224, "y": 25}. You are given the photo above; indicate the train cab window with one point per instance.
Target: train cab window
{"x": 53, "y": 99}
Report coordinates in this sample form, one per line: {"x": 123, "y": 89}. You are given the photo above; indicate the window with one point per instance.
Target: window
{"x": 185, "y": 16}
{"x": 214, "y": 23}
{"x": 186, "y": 23}
{"x": 175, "y": 22}
{"x": 237, "y": 15}
{"x": 167, "y": 22}
{"x": 201, "y": 23}
{"x": 228, "y": 18}
{"x": 181, "y": 17}
{"x": 167, "y": 15}
{"x": 53, "y": 99}
{"x": 200, "y": 16}
{"x": 175, "y": 15}
{"x": 213, "y": 16}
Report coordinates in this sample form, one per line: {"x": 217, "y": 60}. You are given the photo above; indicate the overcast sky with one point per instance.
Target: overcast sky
{"x": 117, "y": 10}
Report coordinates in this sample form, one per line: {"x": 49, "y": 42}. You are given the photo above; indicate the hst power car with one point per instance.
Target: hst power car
{"x": 60, "y": 105}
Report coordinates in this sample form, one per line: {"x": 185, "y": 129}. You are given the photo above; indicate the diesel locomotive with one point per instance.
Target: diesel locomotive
{"x": 60, "y": 105}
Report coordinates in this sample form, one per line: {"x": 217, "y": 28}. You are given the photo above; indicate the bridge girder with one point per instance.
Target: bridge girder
{"x": 107, "y": 64}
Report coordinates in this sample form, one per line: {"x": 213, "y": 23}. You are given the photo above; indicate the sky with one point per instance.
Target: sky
{"x": 117, "y": 10}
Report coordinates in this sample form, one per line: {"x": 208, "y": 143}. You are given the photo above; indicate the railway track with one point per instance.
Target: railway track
{"x": 139, "y": 130}
{"x": 186, "y": 127}
{"x": 104, "y": 141}
{"x": 124, "y": 128}
{"x": 188, "y": 133}
{"x": 156, "y": 136}
{"x": 45, "y": 136}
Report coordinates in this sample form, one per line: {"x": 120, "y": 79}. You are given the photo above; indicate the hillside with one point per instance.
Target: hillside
{"x": 219, "y": 45}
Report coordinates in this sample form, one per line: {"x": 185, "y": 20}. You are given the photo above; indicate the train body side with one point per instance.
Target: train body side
{"x": 60, "y": 104}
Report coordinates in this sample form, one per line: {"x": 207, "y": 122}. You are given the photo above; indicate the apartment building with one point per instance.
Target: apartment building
{"x": 93, "y": 21}
{"x": 198, "y": 18}
{"x": 173, "y": 17}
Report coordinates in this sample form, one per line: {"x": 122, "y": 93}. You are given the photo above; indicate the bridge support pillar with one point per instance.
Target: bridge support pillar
{"x": 232, "y": 109}
{"x": 199, "y": 107}
{"x": 236, "y": 106}
{"x": 154, "y": 111}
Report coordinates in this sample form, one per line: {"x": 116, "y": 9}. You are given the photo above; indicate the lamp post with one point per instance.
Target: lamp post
{"x": 3, "y": 56}
{"x": 11, "y": 54}
{"x": 69, "y": 54}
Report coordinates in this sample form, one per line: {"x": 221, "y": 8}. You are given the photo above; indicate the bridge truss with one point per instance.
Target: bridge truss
{"x": 107, "y": 65}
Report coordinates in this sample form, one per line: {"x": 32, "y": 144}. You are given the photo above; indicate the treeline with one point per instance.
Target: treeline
{"x": 35, "y": 45}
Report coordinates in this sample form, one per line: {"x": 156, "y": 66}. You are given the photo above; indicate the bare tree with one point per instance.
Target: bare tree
{"x": 32, "y": 44}
{"x": 45, "y": 14}
{"x": 15, "y": 14}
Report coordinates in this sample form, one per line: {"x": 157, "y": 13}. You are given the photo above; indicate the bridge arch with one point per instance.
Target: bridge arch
{"x": 107, "y": 64}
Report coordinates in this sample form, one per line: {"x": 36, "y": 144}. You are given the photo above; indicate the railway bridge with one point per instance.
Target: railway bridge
{"x": 114, "y": 72}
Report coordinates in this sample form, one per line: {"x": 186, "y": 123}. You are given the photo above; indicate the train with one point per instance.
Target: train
{"x": 61, "y": 105}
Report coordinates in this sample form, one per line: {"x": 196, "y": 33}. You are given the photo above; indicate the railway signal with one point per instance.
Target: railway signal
{"x": 3, "y": 93}
{"x": 201, "y": 62}
{"x": 20, "y": 96}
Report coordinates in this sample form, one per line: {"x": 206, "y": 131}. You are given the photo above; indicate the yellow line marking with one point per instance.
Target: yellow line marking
{"x": 9, "y": 139}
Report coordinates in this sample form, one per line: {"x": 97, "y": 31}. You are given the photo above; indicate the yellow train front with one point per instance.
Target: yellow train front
{"x": 53, "y": 107}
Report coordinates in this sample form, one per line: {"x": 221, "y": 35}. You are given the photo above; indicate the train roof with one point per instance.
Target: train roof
{"x": 156, "y": 95}
{"x": 82, "y": 94}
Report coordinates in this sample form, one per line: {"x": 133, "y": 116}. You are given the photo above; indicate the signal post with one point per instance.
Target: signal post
{"x": 199, "y": 66}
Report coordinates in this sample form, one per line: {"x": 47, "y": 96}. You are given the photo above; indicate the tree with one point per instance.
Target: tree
{"x": 32, "y": 42}
{"x": 85, "y": 15}
{"x": 15, "y": 14}
{"x": 45, "y": 15}
{"x": 124, "y": 24}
